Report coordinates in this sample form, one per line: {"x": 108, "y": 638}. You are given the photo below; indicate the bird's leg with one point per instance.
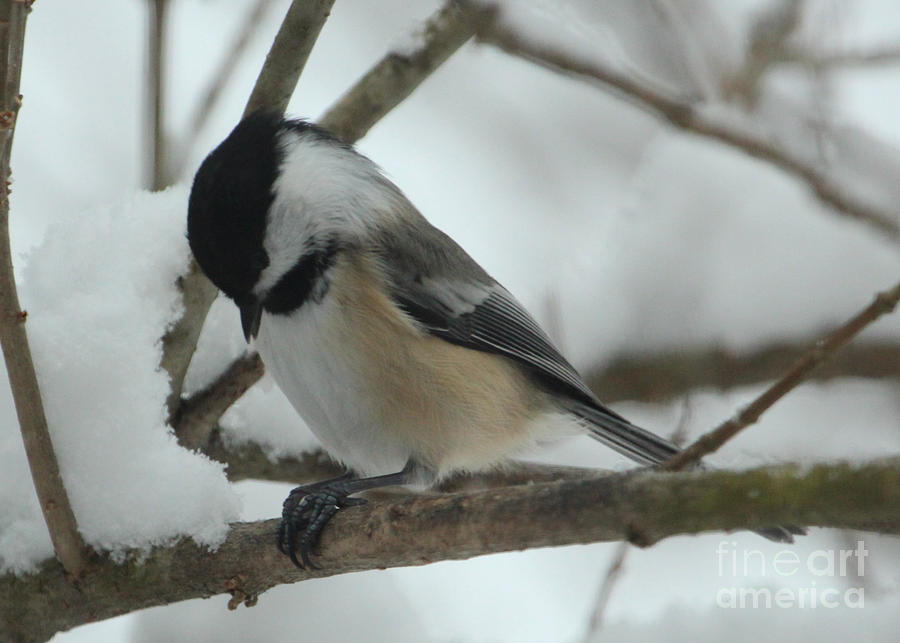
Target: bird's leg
{"x": 308, "y": 509}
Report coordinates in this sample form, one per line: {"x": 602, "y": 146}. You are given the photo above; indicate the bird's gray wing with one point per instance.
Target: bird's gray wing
{"x": 443, "y": 289}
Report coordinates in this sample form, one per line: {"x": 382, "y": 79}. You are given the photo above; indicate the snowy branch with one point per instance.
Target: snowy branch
{"x": 67, "y": 541}
{"x": 642, "y": 507}
{"x": 686, "y": 116}
{"x": 884, "y": 303}
{"x": 398, "y": 74}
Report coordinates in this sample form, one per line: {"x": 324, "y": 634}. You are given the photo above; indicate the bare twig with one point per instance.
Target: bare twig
{"x": 67, "y": 541}
{"x": 642, "y": 507}
{"x": 768, "y": 38}
{"x": 613, "y": 573}
{"x": 205, "y": 106}
{"x": 889, "y": 55}
{"x": 156, "y": 59}
{"x": 687, "y": 117}
{"x": 395, "y": 77}
{"x": 272, "y": 91}
{"x": 884, "y": 303}
{"x": 288, "y": 55}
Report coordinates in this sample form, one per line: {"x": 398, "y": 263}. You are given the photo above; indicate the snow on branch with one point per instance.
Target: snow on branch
{"x": 67, "y": 541}
{"x": 642, "y": 507}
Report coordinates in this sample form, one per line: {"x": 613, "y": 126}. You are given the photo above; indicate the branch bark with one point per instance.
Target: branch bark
{"x": 57, "y": 511}
{"x": 198, "y": 414}
{"x": 288, "y": 55}
{"x": 398, "y": 74}
{"x": 687, "y": 117}
{"x": 642, "y": 507}
{"x": 884, "y": 303}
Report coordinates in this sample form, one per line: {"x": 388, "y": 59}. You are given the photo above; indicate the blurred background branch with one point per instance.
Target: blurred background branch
{"x": 691, "y": 118}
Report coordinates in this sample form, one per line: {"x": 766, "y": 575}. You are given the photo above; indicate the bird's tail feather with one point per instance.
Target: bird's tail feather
{"x": 647, "y": 448}
{"x": 616, "y": 432}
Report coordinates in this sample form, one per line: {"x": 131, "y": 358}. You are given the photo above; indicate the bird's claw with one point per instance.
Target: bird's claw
{"x": 304, "y": 515}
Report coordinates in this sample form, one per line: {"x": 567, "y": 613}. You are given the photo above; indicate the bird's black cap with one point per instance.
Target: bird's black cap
{"x": 231, "y": 195}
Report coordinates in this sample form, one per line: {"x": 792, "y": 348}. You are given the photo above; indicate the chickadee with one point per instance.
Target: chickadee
{"x": 404, "y": 357}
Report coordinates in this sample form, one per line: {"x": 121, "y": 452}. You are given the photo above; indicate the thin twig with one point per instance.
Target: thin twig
{"x": 642, "y": 507}
{"x": 884, "y": 303}
{"x": 288, "y": 55}
{"x": 613, "y": 573}
{"x": 768, "y": 37}
{"x": 67, "y": 541}
{"x": 888, "y": 55}
{"x": 273, "y": 89}
{"x": 686, "y": 116}
{"x": 156, "y": 59}
{"x": 206, "y": 105}
{"x": 396, "y": 75}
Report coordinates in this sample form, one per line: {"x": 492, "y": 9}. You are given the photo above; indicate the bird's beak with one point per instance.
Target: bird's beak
{"x": 251, "y": 313}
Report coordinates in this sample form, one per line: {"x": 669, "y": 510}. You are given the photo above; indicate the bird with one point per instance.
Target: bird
{"x": 405, "y": 358}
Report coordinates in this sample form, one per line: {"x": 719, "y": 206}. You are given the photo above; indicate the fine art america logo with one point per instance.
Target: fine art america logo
{"x": 830, "y": 568}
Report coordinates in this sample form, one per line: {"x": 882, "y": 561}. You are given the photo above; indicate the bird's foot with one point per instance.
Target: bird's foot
{"x": 306, "y": 511}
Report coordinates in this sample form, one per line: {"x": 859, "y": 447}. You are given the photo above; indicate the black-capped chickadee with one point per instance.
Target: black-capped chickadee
{"x": 405, "y": 358}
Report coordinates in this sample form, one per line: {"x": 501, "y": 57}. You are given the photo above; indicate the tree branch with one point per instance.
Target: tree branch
{"x": 159, "y": 177}
{"x": 687, "y": 117}
{"x": 288, "y": 55}
{"x": 884, "y": 303}
{"x": 398, "y": 74}
{"x": 642, "y": 507}
{"x": 198, "y": 414}
{"x": 67, "y": 541}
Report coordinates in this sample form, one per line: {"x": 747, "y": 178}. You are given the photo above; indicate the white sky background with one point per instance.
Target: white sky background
{"x": 647, "y": 238}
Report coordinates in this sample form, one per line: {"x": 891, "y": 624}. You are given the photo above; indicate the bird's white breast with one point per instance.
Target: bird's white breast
{"x": 309, "y": 354}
